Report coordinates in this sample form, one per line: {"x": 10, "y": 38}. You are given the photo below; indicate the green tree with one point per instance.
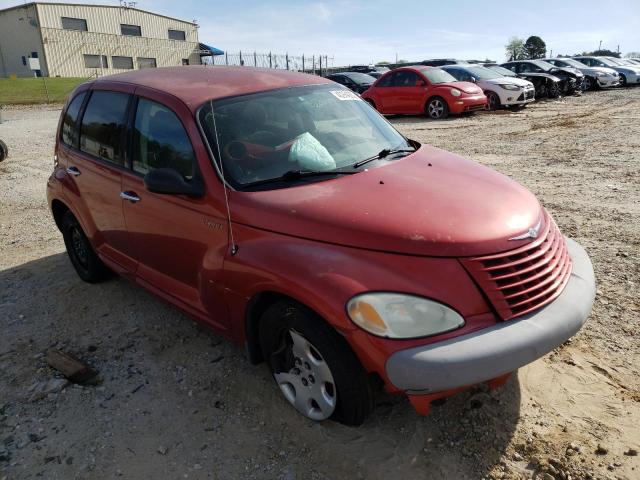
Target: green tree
{"x": 514, "y": 49}
{"x": 535, "y": 47}
{"x": 603, "y": 53}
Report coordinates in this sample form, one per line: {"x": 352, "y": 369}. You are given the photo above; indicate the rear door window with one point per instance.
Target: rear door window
{"x": 103, "y": 126}
{"x": 70, "y": 122}
{"x": 160, "y": 141}
{"x": 406, "y": 79}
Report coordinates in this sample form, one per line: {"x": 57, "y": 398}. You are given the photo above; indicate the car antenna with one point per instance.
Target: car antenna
{"x": 234, "y": 245}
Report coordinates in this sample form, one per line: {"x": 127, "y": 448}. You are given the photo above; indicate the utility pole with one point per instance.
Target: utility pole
{"x": 600, "y": 46}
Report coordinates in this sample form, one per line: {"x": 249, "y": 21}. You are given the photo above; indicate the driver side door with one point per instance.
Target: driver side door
{"x": 179, "y": 241}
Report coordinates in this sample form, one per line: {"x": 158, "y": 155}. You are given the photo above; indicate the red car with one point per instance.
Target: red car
{"x": 282, "y": 211}
{"x": 421, "y": 90}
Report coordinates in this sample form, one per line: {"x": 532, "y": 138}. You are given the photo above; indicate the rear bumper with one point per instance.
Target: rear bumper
{"x": 495, "y": 351}
{"x": 468, "y": 104}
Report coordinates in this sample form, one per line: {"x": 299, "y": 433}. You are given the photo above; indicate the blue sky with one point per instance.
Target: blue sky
{"x": 369, "y": 31}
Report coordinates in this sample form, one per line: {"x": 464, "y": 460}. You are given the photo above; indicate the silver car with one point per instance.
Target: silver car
{"x": 594, "y": 77}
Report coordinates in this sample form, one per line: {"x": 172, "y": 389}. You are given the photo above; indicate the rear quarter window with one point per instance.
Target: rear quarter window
{"x": 70, "y": 125}
{"x": 103, "y": 126}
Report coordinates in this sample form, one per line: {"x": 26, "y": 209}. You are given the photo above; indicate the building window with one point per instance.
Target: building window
{"x": 145, "y": 62}
{"x": 185, "y": 61}
{"x": 122, "y": 63}
{"x": 93, "y": 61}
{"x": 177, "y": 35}
{"x": 69, "y": 23}
{"x": 24, "y": 60}
{"x": 130, "y": 30}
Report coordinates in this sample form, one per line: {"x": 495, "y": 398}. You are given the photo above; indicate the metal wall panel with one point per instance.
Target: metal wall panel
{"x": 65, "y": 48}
{"x": 19, "y": 36}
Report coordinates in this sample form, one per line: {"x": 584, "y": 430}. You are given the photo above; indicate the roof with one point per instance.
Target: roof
{"x": 25, "y": 5}
{"x": 196, "y": 84}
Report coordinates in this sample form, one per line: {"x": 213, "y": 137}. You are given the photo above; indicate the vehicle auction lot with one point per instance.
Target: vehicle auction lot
{"x": 178, "y": 402}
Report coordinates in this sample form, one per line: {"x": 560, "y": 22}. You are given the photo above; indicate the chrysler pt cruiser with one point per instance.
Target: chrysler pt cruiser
{"x": 285, "y": 213}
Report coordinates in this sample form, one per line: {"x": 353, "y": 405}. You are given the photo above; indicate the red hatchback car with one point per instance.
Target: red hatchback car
{"x": 421, "y": 90}
{"x": 281, "y": 210}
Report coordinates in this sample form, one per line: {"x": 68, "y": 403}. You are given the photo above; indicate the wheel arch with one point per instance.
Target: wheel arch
{"x": 58, "y": 209}
{"x": 256, "y": 306}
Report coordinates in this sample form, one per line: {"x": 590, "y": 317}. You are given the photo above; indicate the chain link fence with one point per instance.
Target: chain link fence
{"x": 316, "y": 64}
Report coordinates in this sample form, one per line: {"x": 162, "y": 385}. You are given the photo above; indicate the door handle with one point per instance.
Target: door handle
{"x": 132, "y": 197}
{"x": 73, "y": 171}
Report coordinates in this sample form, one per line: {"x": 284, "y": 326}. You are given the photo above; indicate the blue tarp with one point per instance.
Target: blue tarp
{"x": 208, "y": 51}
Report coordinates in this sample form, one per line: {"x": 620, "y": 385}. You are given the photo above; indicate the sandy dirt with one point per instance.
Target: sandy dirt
{"x": 176, "y": 401}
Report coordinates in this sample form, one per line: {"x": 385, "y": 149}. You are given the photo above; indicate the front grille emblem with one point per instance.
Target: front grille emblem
{"x": 531, "y": 233}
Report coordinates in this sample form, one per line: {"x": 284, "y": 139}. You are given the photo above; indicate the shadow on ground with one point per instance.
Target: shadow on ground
{"x": 170, "y": 386}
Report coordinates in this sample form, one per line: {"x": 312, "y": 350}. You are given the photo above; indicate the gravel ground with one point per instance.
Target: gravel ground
{"x": 178, "y": 402}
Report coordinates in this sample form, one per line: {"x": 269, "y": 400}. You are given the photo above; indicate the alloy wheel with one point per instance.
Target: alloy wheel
{"x": 308, "y": 385}
{"x": 79, "y": 247}
{"x": 586, "y": 84}
{"x": 435, "y": 109}
{"x": 493, "y": 102}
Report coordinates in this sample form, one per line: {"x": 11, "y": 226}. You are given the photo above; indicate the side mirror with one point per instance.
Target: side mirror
{"x": 170, "y": 182}
{"x": 474, "y": 79}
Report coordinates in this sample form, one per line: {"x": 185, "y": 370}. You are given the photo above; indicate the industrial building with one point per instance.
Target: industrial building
{"x": 68, "y": 40}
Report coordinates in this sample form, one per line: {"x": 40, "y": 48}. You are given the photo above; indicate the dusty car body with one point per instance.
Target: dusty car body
{"x": 280, "y": 210}
{"x": 354, "y": 81}
{"x": 545, "y": 84}
{"x": 594, "y": 77}
{"x": 501, "y": 91}
{"x": 423, "y": 90}
{"x": 571, "y": 78}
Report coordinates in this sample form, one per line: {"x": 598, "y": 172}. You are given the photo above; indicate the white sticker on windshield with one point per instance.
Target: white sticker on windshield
{"x": 344, "y": 95}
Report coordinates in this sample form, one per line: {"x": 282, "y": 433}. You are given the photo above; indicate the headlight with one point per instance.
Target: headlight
{"x": 396, "y": 315}
{"x": 509, "y": 86}
{"x": 455, "y": 92}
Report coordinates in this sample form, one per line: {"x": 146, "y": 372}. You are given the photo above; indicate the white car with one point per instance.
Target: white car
{"x": 629, "y": 74}
{"x": 594, "y": 77}
{"x": 501, "y": 91}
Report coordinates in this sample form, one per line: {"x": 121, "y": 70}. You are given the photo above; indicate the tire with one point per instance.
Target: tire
{"x": 313, "y": 366}
{"x": 437, "y": 108}
{"x": 588, "y": 84}
{"x": 87, "y": 264}
{"x": 623, "y": 80}
{"x": 553, "y": 90}
{"x": 4, "y": 150}
{"x": 493, "y": 101}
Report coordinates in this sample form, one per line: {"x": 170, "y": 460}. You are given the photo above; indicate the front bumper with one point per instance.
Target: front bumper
{"x": 604, "y": 82}
{"x": 497, "y": 350}
{"x": 468, "y": 104}
{"x": 521, "y": 97}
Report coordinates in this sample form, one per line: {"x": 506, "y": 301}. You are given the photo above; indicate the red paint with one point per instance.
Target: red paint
{"x": 401, "y": 227}
{"x": 412, "y": 100}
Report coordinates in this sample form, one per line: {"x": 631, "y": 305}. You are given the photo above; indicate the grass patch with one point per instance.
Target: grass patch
{"x": 24, "y": 91}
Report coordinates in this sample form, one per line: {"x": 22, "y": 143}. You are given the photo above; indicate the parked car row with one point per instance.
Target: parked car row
{"x": 441, "y": 87}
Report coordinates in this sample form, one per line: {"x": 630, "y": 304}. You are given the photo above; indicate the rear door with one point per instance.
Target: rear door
{"x": 180, "y": 241}
{"x": 95, "y": 165}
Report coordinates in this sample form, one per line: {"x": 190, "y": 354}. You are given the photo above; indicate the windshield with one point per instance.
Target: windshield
{"x": 502, "y": 71}
{"x": 482, "y": 73}
{"x": 435, "y": 75}
{"x": 570, "y": 62}
{"x": 607, "y": 62}
{"x": 360, "y": 78}
{"x": 264, "y": 135}
{"x": 542, "y": 64}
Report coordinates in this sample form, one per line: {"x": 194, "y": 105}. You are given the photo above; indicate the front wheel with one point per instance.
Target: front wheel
{"x": 437, "y": 109}
{"x": 623, "y": 80}
{"x": 4, "y": 150}
{"x": 85, "y": 261}
{"x": 588, "y": 84}
{"x": 313, "y": 366}
{"x": 493, "y": 101}
{"x": 553, "y": 90}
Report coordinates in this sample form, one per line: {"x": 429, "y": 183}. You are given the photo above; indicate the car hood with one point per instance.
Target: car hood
{"x": 466, "y": 87}
{"x": 541, "y": 75}
{"x": 431, "y": 203}
{"x": 510, "y": 80}
{"x": 594, "y": 70}
{"x": 567, "y": 70}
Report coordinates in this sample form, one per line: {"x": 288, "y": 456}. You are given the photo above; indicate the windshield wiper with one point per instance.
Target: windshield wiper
{"x": 293, "y": 175}
{"x": 385, "y": 152}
